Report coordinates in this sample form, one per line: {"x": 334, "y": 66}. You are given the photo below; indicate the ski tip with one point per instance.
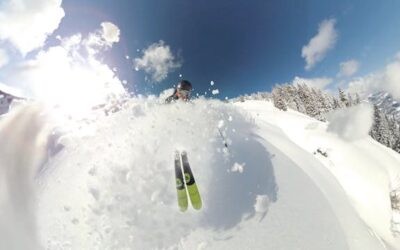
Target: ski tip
{"x": 183, "y": 209}
{"x": 197, "y": 206}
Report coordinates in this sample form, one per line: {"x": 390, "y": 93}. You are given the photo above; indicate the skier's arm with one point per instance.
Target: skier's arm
{"x": 169, "y": 99}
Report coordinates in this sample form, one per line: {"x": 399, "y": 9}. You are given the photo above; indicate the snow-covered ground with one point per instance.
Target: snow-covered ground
{"x": 286, "y": 181}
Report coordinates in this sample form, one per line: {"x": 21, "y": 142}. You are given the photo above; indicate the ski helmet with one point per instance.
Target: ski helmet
{"x": 184, "y": 85}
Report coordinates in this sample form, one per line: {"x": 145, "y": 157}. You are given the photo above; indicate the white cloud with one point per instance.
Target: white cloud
{"x": 65, "y": 76}
{"x": 348, "y": 68}
{"x": 352, "y": 123}
{"x": 320, "y": 44}
{"x": 387, "y": 80}
{"x": 26, "y": 24}
{"x": 3, "y": 58}
{"x": 158, "y": 61}
{"x": 320, "y": 83}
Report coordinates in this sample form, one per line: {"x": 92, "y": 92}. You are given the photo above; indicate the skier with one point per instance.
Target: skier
{"x": 185, "y": 183}
{"x": 181, "y": 92}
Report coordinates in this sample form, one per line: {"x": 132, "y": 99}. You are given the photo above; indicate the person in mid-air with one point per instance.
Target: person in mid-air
{"x": 181, "y": 92}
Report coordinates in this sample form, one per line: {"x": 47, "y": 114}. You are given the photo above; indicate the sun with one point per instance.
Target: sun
{"x": 71, "y": 77}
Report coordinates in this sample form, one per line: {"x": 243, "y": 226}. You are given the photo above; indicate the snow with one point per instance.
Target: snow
{"x": 221, "y": 124}
{"x": 238, "y": 167}
{"x": 352, "y": 123}
{"x": 10, "y": 90}
{"x": 262, "y": 204}
{"x": 215, "y": 91}
{"x": 113, "y": 187}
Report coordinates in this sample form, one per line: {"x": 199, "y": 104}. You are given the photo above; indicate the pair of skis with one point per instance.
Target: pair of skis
{"x": 185, "y": 183}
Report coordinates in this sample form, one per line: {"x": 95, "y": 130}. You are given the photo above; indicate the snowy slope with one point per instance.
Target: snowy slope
{"x": 112, "y": 184}
{"x": 363, "y": 168}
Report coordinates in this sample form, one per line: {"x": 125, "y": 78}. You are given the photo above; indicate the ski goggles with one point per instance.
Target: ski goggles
{"x": 183, "y": 92}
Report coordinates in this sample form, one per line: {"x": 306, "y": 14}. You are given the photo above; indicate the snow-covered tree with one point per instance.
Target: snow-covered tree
{"x": 329, "y": 101}
{"x": 336, "y": 103}
{"x": 343, "y": 101}
{"x": 358, "y": 100}
{"x": 380, "y": 130}
{"x": 393, "y": 131}
{"x": 289, "y": 94}
{"x": 317, "y": 104}
{"x": 309, "y": 101}
{"x": 396, "y": 146}
{"x": 350, "y": 101}
{"x": 278, "y": 98}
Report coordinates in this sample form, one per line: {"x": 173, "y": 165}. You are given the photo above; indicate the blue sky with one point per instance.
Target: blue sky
{"x": 244, "y": 46}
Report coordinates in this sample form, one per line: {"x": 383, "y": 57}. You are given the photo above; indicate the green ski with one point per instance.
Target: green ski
{"x": 180, "y": 184}
{"x": 190, "y": 182}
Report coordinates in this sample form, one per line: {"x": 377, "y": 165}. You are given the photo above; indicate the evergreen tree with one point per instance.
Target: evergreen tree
{"x": 317, "y": 104}
{"x": 376, "y": 124}
{"x": 385, "y": 131}
{"x": 357, "y": 101}
{"x": 350, "y": 101}
{"x": 394, "y": 130}
{"x": 290, "y": 94}
{"x": 336, "y": 104}
{"x": 306, "y": 98}
{"x": 380, "y": 129}
{"x": 396, "y": 146}
{"x": 278, "y": 98}
{"x": 299, "y": 103}
{"x": 329, "y": 101}
{"x": 344, "y": 102}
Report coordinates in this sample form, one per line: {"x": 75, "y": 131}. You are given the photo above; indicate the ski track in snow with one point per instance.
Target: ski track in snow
{"x": 111, "y": 184}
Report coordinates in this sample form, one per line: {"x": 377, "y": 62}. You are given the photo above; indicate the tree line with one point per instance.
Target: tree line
{"x": 316, "y": 103}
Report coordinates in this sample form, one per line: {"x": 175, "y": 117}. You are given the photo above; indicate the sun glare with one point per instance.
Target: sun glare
{"x": 72, "y": 83}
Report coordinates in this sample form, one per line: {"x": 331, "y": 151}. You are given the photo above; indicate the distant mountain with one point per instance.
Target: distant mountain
{"x": 7, "y": 95}
{"x": 386, "y": 103}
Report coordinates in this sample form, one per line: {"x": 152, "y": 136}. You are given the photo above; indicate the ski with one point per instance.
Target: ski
{"x": 190, "y": 182}
{"x": 180, "y": 184}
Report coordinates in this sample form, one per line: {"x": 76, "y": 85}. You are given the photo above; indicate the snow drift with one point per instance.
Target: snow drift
{"x": 284, "y": 181}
